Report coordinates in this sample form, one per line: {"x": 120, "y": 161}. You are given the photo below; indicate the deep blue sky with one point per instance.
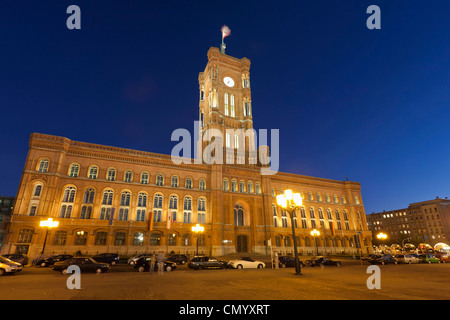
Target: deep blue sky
{"x": 370, "y": 105}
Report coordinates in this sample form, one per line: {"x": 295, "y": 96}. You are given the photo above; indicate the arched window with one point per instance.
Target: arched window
{"x": 88, "y": 200}
{"x": 60, "y": 238}
{"x": 124, "y": 206}
{"x": 25, "y": 236}
{"x": 187, "y": 210}
{"x": 284, "y": 222}
{"x": 141, "y": 206}
{"x": 100, "y": 238}
{"x": 74, "y": 170}
{"x": 157, "y": 207}
{"x": 241, "y": 186}
{"x": 225, "y": 184}
{"x": 155, "y": 239}
{"x": 202, "y": 184}
{"x": 356, "y": 200}
{"x": 173, "y": 202}
{"x": 275, "y": 216}
{"x": 145, "y": 177}
{"x": 43, "y": 165}
{"x": 69, "y": 194}
{"x": 174, "y": 181}
{"x": 249, "y": 187}
{"x": 37, "y": 190}
{"x": 321, "y": 218}
{"x": 232, "y": 105}
{"x": 159, "y": 179}
{"x": 67, "y": 202}
{"x": 93, "y": 172}
{"x": 335, "y": 198}
{"x": 119, "y": 240}
{"x": 238, "y": 215}
{"x": 81, "y": 238}
{"x": 188, "y": 183}
{"x": 201, "y": 208}
{"x": 225, "y": 97}
{"x": 111, "y": 175}
{"x": 138, "y": 239}
{"x": 157, "y": 201}
{"x": 128, "y": 176}
{"x": 313, "y": 217}
{"x": 303, "y": 217}
{"x": 327, "y": 198}
{"x": 106, "y": 207}
{"x": 233, "y": 185}
{"x": 338, "y": 220}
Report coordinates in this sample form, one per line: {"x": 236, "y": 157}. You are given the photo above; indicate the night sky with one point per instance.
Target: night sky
{"x": 368, "y": 105}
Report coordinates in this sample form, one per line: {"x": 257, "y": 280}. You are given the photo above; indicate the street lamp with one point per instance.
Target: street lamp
{"x": 291, "y": 201}
{"x": 197, "y": 228}
{"x": 315, "y": 233}
{"x": 49, "y": 223}
{"x": 382, "y": 236}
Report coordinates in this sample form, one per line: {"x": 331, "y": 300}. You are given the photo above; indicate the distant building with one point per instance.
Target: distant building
{"x": 6, "y": 208}
{"x": 421, "y": 222}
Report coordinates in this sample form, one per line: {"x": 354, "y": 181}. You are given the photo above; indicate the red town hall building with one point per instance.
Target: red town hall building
{"x": 111, "y": 199}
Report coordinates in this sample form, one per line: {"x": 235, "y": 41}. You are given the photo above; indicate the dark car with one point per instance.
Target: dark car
{"x": 51, "y": 260}
{"x": 143, "y": 264}
{"x": 288, "y": 262}
{"x": 20, "y": 258}
{"x": 178, "y": 258}
{"x": 86, "y": 264}
{"x": 111, "y": 258}
{"x": 323, "y": 261}
{"x": 206, "y": 263}
{"x": 383, "y": 259}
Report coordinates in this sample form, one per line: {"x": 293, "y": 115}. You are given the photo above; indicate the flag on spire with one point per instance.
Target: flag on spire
{"x": 225, "y": 31}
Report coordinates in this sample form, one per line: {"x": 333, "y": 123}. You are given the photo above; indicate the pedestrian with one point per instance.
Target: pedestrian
{"x": 152, "y": 263}
{"x": 160, "y": 261}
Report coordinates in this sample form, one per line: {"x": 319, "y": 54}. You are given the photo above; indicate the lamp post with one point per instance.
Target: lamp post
{"x": 315, "y": 233}
{"x": 49, "y": 223}
{"x": 197, "y": 228}
{"x": 290, "y": 202}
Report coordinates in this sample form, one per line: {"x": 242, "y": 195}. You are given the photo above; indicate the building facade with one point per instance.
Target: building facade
{"x": 111, "y": 199}
{"x": 426, "y": 222}
{"x": 6, "y": 208}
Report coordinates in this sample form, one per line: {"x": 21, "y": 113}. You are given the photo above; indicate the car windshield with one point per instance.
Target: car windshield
{"x": 247, "y": 259}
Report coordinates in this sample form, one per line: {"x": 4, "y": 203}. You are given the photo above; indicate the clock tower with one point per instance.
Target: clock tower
{"x": 225, "y": 107}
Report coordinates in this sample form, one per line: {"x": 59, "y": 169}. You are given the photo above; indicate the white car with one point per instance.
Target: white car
{"x": 246, "y": 263}
{"x": 133, "y": 260}
{"x": 407, "y": 258}
{"x": 9, "y": 266}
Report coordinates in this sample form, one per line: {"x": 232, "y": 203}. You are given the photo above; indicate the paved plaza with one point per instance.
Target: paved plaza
{"x": 406, "y": 282}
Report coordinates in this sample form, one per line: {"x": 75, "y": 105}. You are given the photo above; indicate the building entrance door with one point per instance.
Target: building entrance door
{"x": 242, "y": 243}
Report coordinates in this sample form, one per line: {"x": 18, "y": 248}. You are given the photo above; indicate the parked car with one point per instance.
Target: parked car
{"x": 111, "y": 258}
{"x": 429, "y": 258}
{"x": 143, "y": 264}
{"x": 323, "y": 261}
{"x": 9, "y": 266}
{"x": 444, "y": 257}
{"x": 51, "y": 260}
{"x": 246, "y": 263}
{"x": 86, "y": 264}
{"x": 20, "y": 258}
{"x": 206, "y": 263}
{"x": 407, "y": 258}
{"x": 288, "y": 261}
{"x": 131, "y": 261}
{"x": 383, "y": 259}
{"x": 178, "y": 258}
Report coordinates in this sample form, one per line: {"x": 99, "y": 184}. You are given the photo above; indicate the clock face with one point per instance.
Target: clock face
{"x": 228, "y": 81}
